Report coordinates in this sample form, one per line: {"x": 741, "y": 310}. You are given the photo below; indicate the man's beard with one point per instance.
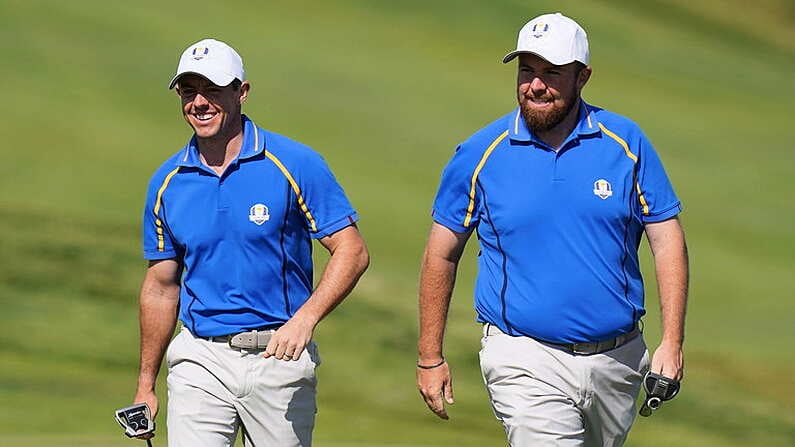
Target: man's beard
{"x": 542, "y": 121}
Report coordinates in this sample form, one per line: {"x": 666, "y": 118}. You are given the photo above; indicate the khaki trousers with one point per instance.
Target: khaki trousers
{"x": 215, "y": 390}
{"x": 546, "y": 396}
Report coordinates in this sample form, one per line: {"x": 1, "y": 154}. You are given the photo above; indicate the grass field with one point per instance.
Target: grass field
{"x": 385, "y": 90}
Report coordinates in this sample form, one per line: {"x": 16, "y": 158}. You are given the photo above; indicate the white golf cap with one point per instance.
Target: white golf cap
{"x": 554, "y": 37}
{"x": 212, "y": 59}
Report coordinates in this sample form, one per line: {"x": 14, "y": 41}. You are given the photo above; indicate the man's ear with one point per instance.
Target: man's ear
{"x": 245, "y": 87}
{"x": 584, "y": 76}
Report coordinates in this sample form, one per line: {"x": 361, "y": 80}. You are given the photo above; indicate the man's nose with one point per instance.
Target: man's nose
{"x": 537, "y": 85}
{"x": 200, "y": 100}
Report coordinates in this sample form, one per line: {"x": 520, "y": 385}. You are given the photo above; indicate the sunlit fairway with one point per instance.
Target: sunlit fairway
{"x": 385, "y": 90}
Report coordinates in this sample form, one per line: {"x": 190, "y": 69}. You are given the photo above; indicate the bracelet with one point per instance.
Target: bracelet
{"x": 431, "y": 366}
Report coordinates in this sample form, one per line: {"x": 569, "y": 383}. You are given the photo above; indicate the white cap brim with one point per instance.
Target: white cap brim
{"x": 218, "y": 78}
{"x": 552, "y": 60}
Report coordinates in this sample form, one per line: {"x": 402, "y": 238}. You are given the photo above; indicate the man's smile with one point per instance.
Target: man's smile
{"x": 204, "y": 116}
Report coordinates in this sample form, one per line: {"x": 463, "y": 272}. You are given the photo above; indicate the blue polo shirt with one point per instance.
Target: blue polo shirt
{"x": 244, "y": 237}
{"x": 558, "y": 231}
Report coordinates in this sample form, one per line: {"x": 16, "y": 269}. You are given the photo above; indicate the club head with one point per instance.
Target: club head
{"x": 136, "y": 420}
{"x": 658, "y": 389}
{"x": 659, "y": 386}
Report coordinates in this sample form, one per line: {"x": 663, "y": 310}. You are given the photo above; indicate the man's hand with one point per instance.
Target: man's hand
{"x": 149, "y": 398}
{"x": 290, "y": 340}
{"x": 159, "y": 301}
{"x": 437, "y": 277}
{"x": 667, "y": 242}
{"x": 349, "y": 259}
{"x": 668, "y": 361}
{"x": 436, "y": 388}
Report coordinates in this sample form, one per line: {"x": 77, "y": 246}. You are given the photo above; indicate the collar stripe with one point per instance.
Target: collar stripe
{"x": 193, "y": 158}
{"x": 516, "y": 122}
{"x": 256, "y": 139}
{"x": 296, "y": 189}
{"x": 482, "y": 162}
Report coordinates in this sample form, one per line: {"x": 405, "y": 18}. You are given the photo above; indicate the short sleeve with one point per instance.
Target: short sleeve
{"x": 322, "y": 199}
{"x": 657, "y": 197}
{"x": 457, "y": 202}
{"x": 157, "y": 240}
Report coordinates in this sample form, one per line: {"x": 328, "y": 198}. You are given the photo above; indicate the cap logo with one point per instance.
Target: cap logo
{"x": 200, "y": 52}
{"x": 539, "y": 29}
{"x": 259, "y": 214}
{"x": 602, "y": 188}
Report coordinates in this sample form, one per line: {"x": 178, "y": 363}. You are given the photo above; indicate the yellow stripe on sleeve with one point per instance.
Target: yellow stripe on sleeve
{"x": 642, "y": 200}
{"x": 156, "y": 210}
{"x": 620, "y": 141}
{"x": 480, "y": 165}
{"x": 296, "y": 189}
{"x": 634, "y": 158}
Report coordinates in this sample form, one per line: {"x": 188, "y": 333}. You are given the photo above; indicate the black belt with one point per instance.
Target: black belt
{"x": 598, "y": 347}
{"x": 585, "y": 348}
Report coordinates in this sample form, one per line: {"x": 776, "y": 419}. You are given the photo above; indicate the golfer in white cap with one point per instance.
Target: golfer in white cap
{"x": 560, "y": 193}
{"x": 228, "y": 226}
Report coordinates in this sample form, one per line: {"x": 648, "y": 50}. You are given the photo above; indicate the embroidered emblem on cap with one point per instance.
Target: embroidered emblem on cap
{"x": 200, "y": 52}
{"x": 602, "y": 188}
{"x": 259, "y": 214}
{"x": 539, "y": 29}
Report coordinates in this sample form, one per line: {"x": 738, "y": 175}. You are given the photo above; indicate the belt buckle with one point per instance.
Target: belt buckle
{"x": 254, "y": 339}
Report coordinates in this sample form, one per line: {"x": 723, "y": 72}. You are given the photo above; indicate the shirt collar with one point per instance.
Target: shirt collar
{"x": 586, "y": 125}
{"x": 253, "y": 144}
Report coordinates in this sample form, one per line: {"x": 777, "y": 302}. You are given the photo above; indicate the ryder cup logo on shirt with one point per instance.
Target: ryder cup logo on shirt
{"x": 258, "y": 214}
{"x": 602, "y": 188}
{"x": 200, "y": 52}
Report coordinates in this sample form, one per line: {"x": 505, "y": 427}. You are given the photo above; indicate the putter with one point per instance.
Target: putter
{"x": 658, "y": 389}
{"x": 136, "y": 420}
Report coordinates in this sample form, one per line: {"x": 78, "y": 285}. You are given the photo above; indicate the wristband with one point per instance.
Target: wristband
{"x": 435, "y": 365}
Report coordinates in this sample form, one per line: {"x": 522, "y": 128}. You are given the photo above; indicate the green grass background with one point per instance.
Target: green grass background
{"x": 385, "y": 90}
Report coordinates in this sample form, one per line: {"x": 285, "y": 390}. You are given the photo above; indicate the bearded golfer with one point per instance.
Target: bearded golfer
{"x": 560, "y": 193}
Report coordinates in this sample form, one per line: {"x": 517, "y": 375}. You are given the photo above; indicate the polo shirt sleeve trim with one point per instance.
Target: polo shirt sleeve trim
{"x": 159, "y": 256}
{"x": 473, "y": 183}
{"x": 156, "y": 211}
{"x": 336, "y": 226}
{"x": 673, "y": 211}
{"x": 296, "y": 189}
{"x": 643, "y": 204}
{"x": 452, "y": 225}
